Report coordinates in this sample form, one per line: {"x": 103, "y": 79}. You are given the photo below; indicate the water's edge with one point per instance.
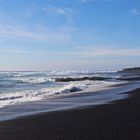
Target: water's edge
{"x": 89, "y": 98}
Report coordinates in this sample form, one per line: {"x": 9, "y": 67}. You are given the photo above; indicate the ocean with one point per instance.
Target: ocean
{"x": 25, "y": 93}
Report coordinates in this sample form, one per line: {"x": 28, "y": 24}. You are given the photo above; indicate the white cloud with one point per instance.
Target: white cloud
{"x": 99, "y": 52}
{"x": 14, "y": 51}
{"x": 59, "y": 35}
{"x": 67, "y": 12}
{"x": 108, "y": 52}
{"x": 134, "y": 12}
{"x": 11, "y": 31}
{"x": 85, "y": 1}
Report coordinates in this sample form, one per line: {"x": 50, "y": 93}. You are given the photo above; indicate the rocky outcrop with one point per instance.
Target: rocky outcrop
{"x": 80, "y": 79}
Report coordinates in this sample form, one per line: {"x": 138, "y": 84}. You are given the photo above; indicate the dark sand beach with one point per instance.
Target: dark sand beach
{"x": 118, "y": 120}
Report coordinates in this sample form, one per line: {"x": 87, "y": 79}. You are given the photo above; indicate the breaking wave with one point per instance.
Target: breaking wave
{"x": 36, "y": 95}
{"x": 19, "y": 97}
{"x": 33, "y": 80}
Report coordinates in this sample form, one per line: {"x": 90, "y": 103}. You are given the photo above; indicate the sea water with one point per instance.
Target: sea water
{"x": 23, "y": 93}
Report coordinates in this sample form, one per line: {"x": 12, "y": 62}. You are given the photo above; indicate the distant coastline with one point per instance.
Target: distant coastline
{"x": 131, "y": 70}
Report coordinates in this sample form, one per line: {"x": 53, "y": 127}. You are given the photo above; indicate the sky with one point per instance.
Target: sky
{"x": 69, "y": 34}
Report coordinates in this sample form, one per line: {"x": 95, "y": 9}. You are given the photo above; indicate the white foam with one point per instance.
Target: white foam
{"x": 33, "y": 80}
{"x": 34, "y": 95}
{"x": 81, "y": 72}
{"x": 19, "y": 97}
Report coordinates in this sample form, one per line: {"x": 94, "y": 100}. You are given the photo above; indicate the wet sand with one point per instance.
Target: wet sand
{"x": 118, "y": 120}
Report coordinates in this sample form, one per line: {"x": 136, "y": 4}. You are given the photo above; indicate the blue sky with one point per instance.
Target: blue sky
{"x": 69, "y": 34}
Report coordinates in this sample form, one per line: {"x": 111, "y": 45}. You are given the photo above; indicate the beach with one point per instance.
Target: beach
{"x": 69, "y": 70}
{"x": 114, "y": 121}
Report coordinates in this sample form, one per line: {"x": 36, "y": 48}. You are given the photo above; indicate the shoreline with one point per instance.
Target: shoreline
{"x": 82, "y": 99}
{"x": 116, "y": 120}
{"x": 89, "y": 97}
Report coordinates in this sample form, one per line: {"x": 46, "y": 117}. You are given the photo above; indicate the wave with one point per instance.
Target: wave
{"x": 19, "y": 97}
{"x": 36, "y": 95}
{"x": 52, "y": 73}
{"x": 80, "y": 72}
{"x": 15, "y": 82}
{"x": 42, "y": 77}
{"x": 33, "y": 80}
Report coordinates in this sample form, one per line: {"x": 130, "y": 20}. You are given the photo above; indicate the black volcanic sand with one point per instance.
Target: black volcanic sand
{"x": 119, "y": 120}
